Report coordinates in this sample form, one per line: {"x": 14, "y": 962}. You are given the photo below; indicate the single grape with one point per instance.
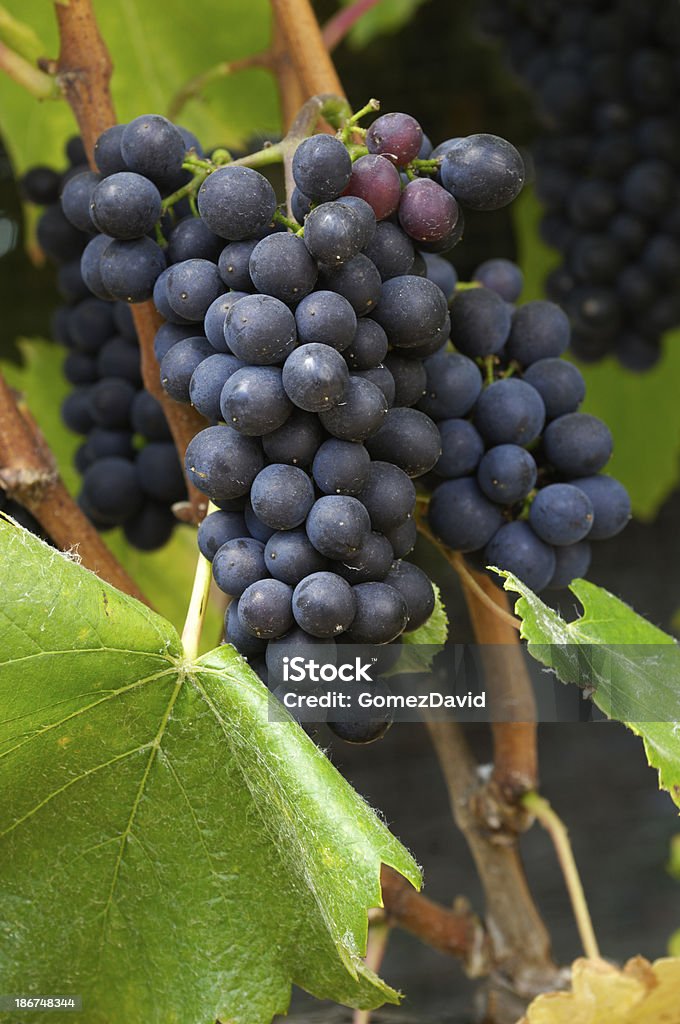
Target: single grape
{"x": 124, "y": 205}
{"x": 510, "y": 411}
{"x": 179, "y": 364}
{"x": 76, "y": 200}
{"x": 192, "y": 287}
{"x": 119, "y": 357}
{"x": 540, "y": 330}
{"x": 577, "y": 444}
{"x": 110, "y": 401}
{"x": 403, "y": 538}
{"x": 483, "y": 172}
{"x": 281, "y": 496}
{"x": 321, "y": 167}
{"x": 376, "y": 180}
{"x": 296, "y": 441}
{"x": 111, "y": 489}
{"x": 391, "y": 250}
{"x": 370, "y": 563}
{"x": 453, "y": 385}
{"x": 208, "y": 380}
{"x": 280, "y": 265}
{"x": 191, "y": 239}
{"x": 559, "y": 383}
{"x": 381, "y": 614}
{"x": 409, "y": 376}
{"x": 427, "y": 212}
{"x": 216, "y": 318}
{"x": 409, "y": 439}
{"x": 572, "y": 561}
{"x": 501, "y": 276}
{"x": 411, "y": 309}
{"x": 561, "y": 514}
{"x": 129, "y": 268}
{"x": 610, "y": 502}
{"x": 389, "y": 496}
{"x": 57, "y": 237}
{"x": 297, "y": 643}
{"x": 341, "y": 467}
{"x": 75, "y": 411}
{"x": 358, "y": 281}
{"x": 315, "y": 377}
{"x": 462, "y": 449}
{"x": 360, "y": 414}
{"x": 397, "y": 137}
{"x": 290, "y": 556}
{"x": 151, "y": 527}
{"x": 507, "y": 473}
{"x": 90, "y": 325}
{"x": 370, "y": 727}
{"x": 80, "y": 368}
{"x": 91, "y": 264}
{"x": 41, "y": 185}
{"x": 416, "y": 589}
{"x": 480, "y": 322}
{"x": 153, "y": 147}
{"x": 107, "y": 153}
{"x": 300, "y": 205}
{"x": 256, "y": 529}
{"x": 323, "y": 604}
{"x": 235, "y": 633}
{"x": 236, "y": 202}
{"x": 160, "y": 473}
{"x": 223, "y": 463}
{"x": 253, "y": 400}
{"x": 260, "y": 329}
{"x": 217, "y": 528}
{"x": 234, "y": 264}
{"x": 442, "y": 273}
{"x": 162, "y": 302}
{"x": 103, "y": 442}
{"x": 518, "y": 550}
{"x": 647, "y": 188}
{"x": 333, "y": 234}
{"x": 327, "y": 318}
{"x": 338, "y": 526}
{"x": 462, "y": 516}
{"x": 264, "y": 609}
{"x": 237, "y": 564}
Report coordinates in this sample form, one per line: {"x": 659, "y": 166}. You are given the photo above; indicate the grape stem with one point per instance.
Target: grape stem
{"x": 41, "y": 85}
{"x": 29, "y": 476}
{"x": 198, "y": 604}
{"x": 540, "y": 808}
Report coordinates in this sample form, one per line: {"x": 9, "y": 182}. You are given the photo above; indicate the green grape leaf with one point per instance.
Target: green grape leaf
{"x": 421, "y": 647}
{"x": 641, "y": 409}
{"x": 631, "y": 666}
{"x": 386, "y": 16}
{"x": 153, "y": 55}
{"x": 167, "y": 851}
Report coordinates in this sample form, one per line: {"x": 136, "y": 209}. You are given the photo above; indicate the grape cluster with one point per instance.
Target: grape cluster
{"x": 302, "y": 341}
{"x": 606, "y": 78}
{"x": 519, "y": 478}
{"x": 131, "y": 473}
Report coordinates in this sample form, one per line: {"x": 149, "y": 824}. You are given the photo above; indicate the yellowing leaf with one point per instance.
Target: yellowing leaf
{"x": 641, "y": 993}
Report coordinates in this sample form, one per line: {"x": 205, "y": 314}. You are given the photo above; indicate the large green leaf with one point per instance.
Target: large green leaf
{"x": 166, "y": 851}
{"x": 155, "y": 50}
{"x": 632, "y": 667}
{"x": 641, "y": 409}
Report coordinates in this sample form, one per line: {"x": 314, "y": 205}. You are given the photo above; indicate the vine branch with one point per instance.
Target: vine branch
{"x": 337, "y": 27}
{"x": 28, "y": 475}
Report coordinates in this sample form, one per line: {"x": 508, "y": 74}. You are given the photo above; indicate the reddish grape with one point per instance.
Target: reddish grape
{"x": 377, "y": 181}
{"x": 427, "y": 212}
{"x": 398, "y": 137}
